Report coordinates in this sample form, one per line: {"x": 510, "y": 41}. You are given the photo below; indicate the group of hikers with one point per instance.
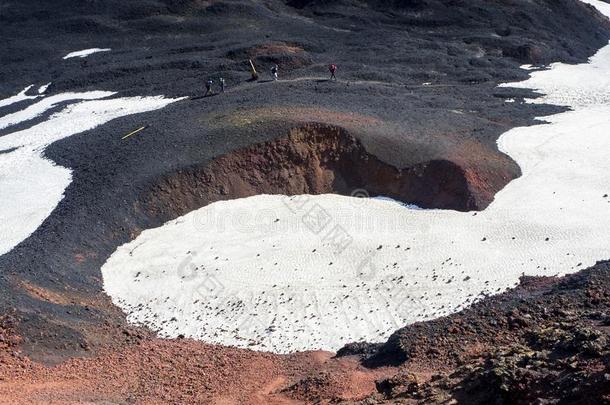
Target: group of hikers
{"x": 210, "y": 82}
{"x": 332, "y": 68}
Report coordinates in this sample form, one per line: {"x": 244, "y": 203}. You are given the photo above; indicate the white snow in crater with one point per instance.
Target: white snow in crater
{"x": 31, "y": 186}
{"x": 314, "y": 272}
{"x": 85, "y": 52}
{"x": 21, "y": 96}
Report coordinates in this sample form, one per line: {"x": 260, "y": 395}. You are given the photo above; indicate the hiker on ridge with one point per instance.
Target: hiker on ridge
{"x": 208, "y": 87}
{"x": 222, "y": 85}
{"x": 332, "y": 68}
{"x": 274, "y": 70}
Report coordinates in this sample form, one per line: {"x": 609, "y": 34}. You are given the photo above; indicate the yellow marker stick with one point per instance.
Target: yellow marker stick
{"x": 133, "y": 132}
{"x": 253, "y": 70}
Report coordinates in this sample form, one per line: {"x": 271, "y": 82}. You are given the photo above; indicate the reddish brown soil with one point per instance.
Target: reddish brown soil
{"x": 185, "y": 372}
{"x": 289, "y": 56}
{"x": 547, "y": 341}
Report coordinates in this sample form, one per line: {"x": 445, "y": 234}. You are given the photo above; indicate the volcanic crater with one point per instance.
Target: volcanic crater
{"x": 429, "y": 66}
{"x": 313, "y": 159}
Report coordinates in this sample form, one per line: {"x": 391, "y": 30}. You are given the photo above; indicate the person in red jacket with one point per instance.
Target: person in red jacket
{"x": 332, "y": 68}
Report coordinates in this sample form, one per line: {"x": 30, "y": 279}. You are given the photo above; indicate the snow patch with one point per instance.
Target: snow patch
{"x": 576, "y": 86}
{"x": 48, "y": 103}
{"x": 43, "y": 89}
{"x": 527, "y": 67}
{"x": 85, "y": 52}
{"x": 21, "y": 96}
{"x": 32, "y": 185}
